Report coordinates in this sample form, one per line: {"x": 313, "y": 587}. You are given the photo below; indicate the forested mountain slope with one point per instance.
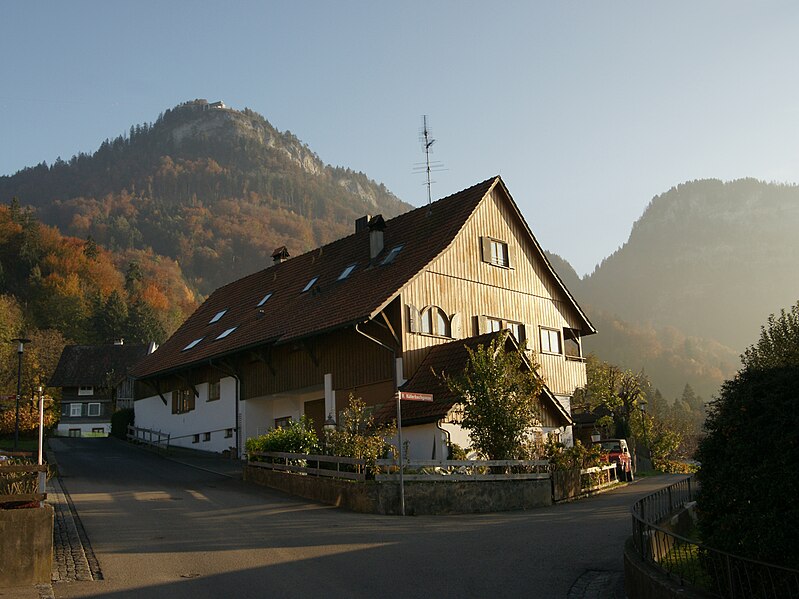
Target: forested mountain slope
{"x": 214, "y": 188}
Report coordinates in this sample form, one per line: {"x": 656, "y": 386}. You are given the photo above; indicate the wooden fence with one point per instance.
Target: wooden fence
{"x": 460, "y": 470}
{"x": 149, "y": 437}
{"x": 314, "y": 465}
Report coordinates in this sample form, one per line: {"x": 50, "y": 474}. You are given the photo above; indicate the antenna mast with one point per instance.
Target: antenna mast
{"x": 427, "y": 167}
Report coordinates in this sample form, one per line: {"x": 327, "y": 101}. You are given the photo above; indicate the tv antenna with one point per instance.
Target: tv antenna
{"x": 427, "y": 167}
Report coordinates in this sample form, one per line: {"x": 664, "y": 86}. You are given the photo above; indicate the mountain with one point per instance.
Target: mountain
{"x": 710, "y": 258}
{"x": 213, "y": 188}
{"x": 704, "y": 266}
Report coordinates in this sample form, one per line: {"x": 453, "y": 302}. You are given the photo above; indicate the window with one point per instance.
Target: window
{"x": 391, "y": 255}
{"x": 265, "y": 299}
{"x": 98, "y": 431}
{"x": 518, "y": 331}
{"x": 499, "y": 253}
{"x": 206, "y": 437}
{"x": 282, "y": 422}
{"x": 225, "y": 333}
{"x": 195, "y": 438}
{"x": 495, "y": 252}
{"x": 347, "y": 272}
{"x": 228, "y": 433}
{"x": 76, "y": 410}
{"x": 435, "y": 322}
{"x": 216, "y": 317}
{"x": 192, "y": 344}
{"x": 85, "y": 390}
{"x": 493, "y": 325}
{"x": 550, "y": 341}
{"x": 214, "y": 391}
{"x": 94, "y": 409}
{"x": 74, "y": 432}
{"x": 571, "y": 344}
{"x": 182, "y": 401}
{"x": 309, "y": 284}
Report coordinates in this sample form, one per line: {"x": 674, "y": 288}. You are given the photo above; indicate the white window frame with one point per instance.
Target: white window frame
{"x": 75, "y": 413}
{"x": 86, "y": 390}
{"x": 546, "y": 337}
{"x": 499, "y": 253}
{"x": 89, "y": 408}
{"x": 522, "y": 331}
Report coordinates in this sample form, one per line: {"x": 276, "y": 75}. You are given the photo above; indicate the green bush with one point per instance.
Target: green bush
{"x": 120, "y": 420}
{"x": 297, "y": 437}
{"x": 579, "y": 456}
{"x": 748, "y": 467}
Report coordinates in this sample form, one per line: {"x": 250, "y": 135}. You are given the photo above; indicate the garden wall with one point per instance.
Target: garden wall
{"x": 421, "y": 497}
{"x": 26, "y": 546}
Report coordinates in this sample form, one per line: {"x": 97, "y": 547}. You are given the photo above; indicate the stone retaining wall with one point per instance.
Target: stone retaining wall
{"x": 26, "y": 546}
{"x": 421, "y": 497}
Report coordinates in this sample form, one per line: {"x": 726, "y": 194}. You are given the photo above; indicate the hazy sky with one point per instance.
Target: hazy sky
{"x": 586, "y": 109}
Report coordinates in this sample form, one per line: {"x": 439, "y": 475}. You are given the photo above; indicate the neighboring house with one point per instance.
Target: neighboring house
{"x": 366, "y": 315}
{"x": 94, "y": 384}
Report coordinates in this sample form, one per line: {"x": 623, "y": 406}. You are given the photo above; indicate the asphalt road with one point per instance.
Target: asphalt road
{"x": 163, "y": 529}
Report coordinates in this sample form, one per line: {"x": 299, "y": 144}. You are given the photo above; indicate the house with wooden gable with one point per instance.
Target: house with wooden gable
{"x": 369, "y": 315}
{"x": 95, "y": 382}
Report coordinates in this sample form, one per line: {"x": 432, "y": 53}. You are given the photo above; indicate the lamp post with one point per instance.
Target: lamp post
{"x": 20, "y": 349}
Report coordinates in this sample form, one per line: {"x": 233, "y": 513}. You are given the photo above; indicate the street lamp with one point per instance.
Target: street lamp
{"x": 20, "y": 349}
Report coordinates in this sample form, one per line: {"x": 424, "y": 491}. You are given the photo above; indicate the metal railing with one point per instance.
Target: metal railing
{"x": 690, "y": 563}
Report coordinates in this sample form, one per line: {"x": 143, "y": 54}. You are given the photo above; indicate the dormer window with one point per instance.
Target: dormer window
{"x": 390, "y": 257}
{"x": 265, "y": 299}
{"x": 347, "y": 272}
{"x": 310, "y": 284}
{"x": 217, "y": 316}
{"x": 225, "y": 333}
{"x": 193, "y": 344}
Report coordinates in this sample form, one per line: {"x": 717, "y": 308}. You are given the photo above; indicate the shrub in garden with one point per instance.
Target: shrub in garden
{"x": 297, "y": 437}
{"x": 357, "y": 435}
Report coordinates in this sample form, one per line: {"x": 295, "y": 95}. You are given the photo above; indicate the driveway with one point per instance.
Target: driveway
{"x": 163, "y": 529}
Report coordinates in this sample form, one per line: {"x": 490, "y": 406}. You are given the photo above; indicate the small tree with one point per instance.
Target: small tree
{"x": 499, "y": 394}
{"x": 357, "y": 435}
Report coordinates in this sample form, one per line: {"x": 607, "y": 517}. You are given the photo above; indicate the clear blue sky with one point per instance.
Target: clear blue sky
{"x": 587, "y": 109}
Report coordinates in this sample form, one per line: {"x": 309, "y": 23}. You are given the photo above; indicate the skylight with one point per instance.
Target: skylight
{"x": 192, "y": 344}
{"x": 310, "y": 284}
{"x": 225, "y": 333}
{"x": 217, "y": 316}
{"x": 347, "y": 272}
{"x": 266, "y": 298}
{"x": 391, "y": 255}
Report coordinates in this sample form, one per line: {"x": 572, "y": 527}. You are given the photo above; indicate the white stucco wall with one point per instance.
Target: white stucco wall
{"x": 214, "y": 417}
{"x": 85, "y": 427}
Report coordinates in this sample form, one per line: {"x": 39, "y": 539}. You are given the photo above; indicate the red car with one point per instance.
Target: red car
{"x": 615, "y": 451}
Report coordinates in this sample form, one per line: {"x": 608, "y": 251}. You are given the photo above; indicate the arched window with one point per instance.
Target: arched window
{"x": 435, "y": 322}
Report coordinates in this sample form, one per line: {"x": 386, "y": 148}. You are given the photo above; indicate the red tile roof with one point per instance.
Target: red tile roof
{"x": 291, "y": 313}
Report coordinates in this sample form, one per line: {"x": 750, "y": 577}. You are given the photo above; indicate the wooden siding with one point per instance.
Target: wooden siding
{"x": 352, "y": 359}
{"x": 460, "y": 282}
